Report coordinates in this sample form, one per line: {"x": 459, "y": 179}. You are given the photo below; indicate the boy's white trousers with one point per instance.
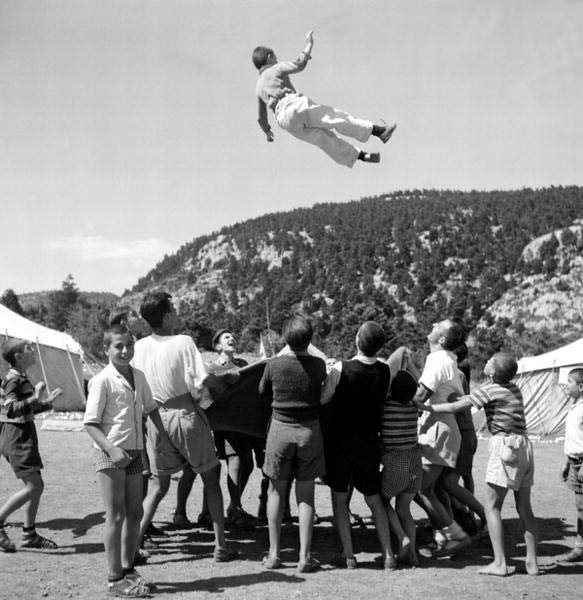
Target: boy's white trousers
{"x": 313, "y": 123}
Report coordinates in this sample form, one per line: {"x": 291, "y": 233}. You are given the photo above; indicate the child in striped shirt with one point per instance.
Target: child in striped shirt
{"x": 511, "y": 462}
{"x": 402, "y": 469}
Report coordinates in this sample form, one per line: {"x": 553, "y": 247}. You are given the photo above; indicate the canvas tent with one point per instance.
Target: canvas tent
{"x": 541, "y": 379}
{"x": 58, "y": 358}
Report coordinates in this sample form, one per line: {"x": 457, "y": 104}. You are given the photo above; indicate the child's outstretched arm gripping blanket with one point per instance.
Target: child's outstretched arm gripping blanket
{"x": 238, "y": 406}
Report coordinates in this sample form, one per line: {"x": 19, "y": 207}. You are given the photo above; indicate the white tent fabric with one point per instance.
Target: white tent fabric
{"x": 540, "y": 379}
{"x": 58, "y": 360}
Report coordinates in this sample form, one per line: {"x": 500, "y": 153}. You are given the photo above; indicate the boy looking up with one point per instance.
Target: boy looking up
{"x": 118, "y": 398}
{"x": 305, "y": 119}
{"x": 19, "y": 402}
{"x": 176, "y": 374}
{"x": 357, "y": 390}
{"x": 294, "y": 441}
{"x": 572, "y": 473}
{"x": 511, "y": 460}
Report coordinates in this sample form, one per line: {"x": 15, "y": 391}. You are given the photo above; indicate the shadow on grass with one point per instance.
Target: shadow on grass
{"x": 218, "y": 585}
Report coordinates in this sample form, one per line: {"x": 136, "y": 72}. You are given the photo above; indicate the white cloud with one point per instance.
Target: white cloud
{"x": 138, "y": 253}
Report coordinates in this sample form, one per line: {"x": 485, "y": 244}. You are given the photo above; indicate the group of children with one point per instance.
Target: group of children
{"x": 362, "y": 424}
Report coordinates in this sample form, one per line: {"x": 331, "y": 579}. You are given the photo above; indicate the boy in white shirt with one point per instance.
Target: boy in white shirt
{"x": 572, "y": 472}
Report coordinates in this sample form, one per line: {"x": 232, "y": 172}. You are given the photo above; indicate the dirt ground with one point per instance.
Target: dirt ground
{"x": 71, "y": 513}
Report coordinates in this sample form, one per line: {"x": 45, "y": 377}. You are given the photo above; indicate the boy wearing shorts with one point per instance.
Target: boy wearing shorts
{"x": 19, "y": 402}
{"x": 357, "y": 390}
{"x": 511, "y": 461}
{"x": 118, "y": 398}
{"x": 294, "y": 447}
{"x": 402, "y": 468}
{"x": 572, "y": 473}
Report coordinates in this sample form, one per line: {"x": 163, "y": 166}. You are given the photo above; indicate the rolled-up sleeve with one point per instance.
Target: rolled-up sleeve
{"x": 96, "y": 399}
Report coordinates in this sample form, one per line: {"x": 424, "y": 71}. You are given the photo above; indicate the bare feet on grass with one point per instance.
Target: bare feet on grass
{"x": 497, "y": 570}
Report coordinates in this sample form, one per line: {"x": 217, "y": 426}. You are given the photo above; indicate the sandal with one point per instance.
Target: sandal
{"x": 124, "y": 588}
{"x": 135, "y": 577}
{"x": 6, "y": 544}
{"x": 308, "y": 566}
{"x": 38, "y": 541}
{"x": 271, "y": 562}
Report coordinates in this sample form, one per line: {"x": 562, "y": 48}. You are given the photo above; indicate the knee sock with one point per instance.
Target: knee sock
{"x": 28, "y": 533}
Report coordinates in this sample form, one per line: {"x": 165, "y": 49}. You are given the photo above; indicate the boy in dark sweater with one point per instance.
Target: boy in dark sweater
{"x": 294, "y": 445}
{"x": 19, "y": 402}
{"x": 357, "y": 389}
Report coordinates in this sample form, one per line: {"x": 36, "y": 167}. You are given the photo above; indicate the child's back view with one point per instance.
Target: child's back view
{"x": 294, "y": 441}
{"x": 304, "y": 118}
{"x": 357, "y": 390}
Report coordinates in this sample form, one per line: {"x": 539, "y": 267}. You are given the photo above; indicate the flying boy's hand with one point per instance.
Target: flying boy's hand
{"x": 269, "y": 135}
{"x": 119, "y": 457}
{"x": 310, "y": 36}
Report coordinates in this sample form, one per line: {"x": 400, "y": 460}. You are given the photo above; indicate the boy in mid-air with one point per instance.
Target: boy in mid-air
{"x": 511, "y": 460}
{"x": 19, "y": 402}
{"x": 572, "y": 473}
{"x": 118, "y": 397}
{"x": 304, "y": 118}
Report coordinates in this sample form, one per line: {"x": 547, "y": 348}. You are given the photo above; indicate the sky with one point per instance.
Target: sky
{"x": 128, "y": 128}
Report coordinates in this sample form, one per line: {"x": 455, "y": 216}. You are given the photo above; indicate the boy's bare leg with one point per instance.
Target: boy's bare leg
{"x": 428, "y": 500}
{"x": 341, "y": 514}
{"x": 183, "y": 490}
{"x": 379, "y": 515}
{"x": 158, "y": 489}
{"x": 275, "y": 497}
{"x": 403, "y": 508}
{"x": 133, "y": 516}
{"x": 214, "y": 498}
{"x": 524, "y": 508}
{"x": 494, "y": 500}
{"x": 112, "y": 485}
{"x": 305, "y": 500}
{"x": 30, "y": 493}
{"x": 451, "y": 485}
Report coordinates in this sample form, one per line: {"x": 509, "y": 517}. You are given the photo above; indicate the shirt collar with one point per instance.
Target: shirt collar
{"x": 366, "y": 360}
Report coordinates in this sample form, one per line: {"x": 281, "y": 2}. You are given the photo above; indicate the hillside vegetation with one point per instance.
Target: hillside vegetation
{"x": 406, "y": 260}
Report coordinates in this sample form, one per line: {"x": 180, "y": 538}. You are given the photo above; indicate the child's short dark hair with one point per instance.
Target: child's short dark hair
{"x": 403, "y": 387}
{"x": 153, "y": 308}
{"x": 260, "y": 56}
{"x": 505, "y": 367}
{"x": 454, "y": 336}
{"x": 115, "y": 329}
{"x": 10, "y": 348}
{"x": 297, "y": 332}
{"x": 217, "y": 336}
{"x": 370, "y": 338}
{"x": 576, "y": 375}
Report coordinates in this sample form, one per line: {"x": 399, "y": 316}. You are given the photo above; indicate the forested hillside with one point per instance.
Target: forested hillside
{"x": 406, "y": 260}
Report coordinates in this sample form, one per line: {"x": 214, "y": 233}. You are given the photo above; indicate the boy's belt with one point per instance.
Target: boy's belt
{"x": 575, "y": 460}
{"x": 182, "y": 402}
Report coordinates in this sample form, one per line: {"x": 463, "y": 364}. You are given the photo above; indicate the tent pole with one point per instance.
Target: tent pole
{"x": 42, "y": 366}
{"x": 79, "y": 386}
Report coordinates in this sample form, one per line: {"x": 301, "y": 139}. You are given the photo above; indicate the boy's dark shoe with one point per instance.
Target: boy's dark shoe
{"x": 343, "y": 562}
{"x": 6, "y": 544}
{"x": 385, "y": 136}
{"x": 154, "y": 531}
{"x": 225, "y": 555}
{"x": 181, "y": 521}
{"x": 371, "y": 157}
{"x": 204, "y": 521}
{"x": 239, "y": 519}
{"x": 574, "y": 555}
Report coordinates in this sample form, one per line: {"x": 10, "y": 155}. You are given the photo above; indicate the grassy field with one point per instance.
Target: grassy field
{"x": 71, "y": 513}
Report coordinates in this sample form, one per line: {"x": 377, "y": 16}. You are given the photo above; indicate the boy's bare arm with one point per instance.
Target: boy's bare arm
{"x": 309, "y": 42}
{"x": 263, "y": 120}
{"x": 448, "y": 407}
{"x": 119, "y": 457}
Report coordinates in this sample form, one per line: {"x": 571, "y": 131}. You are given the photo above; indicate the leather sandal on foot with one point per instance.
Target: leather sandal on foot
{"x": 308, "y": 566}
{"x": 124, "y": 588}
{"x": 38, "y": 541}
{"x": 271, "y": 562}
{"x": 135, "y": 577}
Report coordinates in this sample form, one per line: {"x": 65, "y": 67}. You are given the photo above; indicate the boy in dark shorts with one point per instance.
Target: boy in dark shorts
{"x": 294, "y": 447}
{"x": 357, "y": 389}
{"x": 119, "y": 396}
{"x": 19, "y": 402}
